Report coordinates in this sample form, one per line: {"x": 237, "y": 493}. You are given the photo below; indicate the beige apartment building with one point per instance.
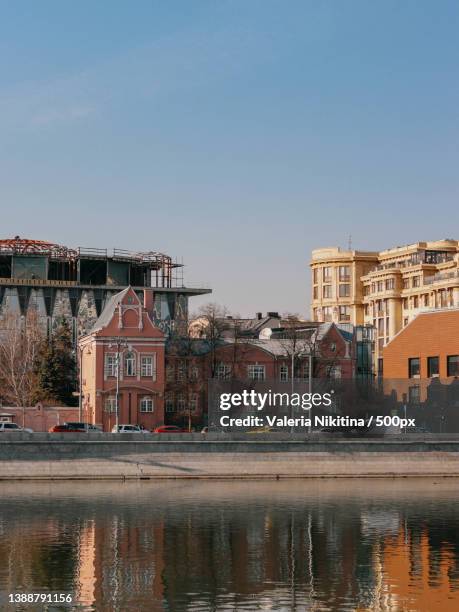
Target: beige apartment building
{"x": 385, "y": 289}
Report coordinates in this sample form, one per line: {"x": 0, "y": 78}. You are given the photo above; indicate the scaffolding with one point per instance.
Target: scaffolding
{"x": 22, "y": 258}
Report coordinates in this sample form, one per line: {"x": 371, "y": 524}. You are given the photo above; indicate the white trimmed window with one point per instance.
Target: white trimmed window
{"x": 170, "y": 373}
{"x": 169, "y": 403}
{"x": 223, "y": 371}
{"x": 256, "y": 372}
{"x": 129, "y": 364}
{"x": 110, "y": 364}
{"x": 181, "y": 403}
{"x": 283, "y": 373}
{"x": 146, "y": 364}
{"x": 110, "y": 404}
{"x": 146, "y": 404}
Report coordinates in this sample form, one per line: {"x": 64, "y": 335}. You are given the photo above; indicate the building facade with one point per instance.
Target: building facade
{"x": 337, "y": 290}
{"x": 122, "y": 365}
{"x": 190, "y": 365}
{"x": 56, "y": 281}
{"x": 388, "y": 289}
{"x": 428, "y": 347}
{"x": 421, "y": 366}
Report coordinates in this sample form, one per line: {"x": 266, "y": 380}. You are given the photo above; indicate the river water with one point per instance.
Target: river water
{"x": 231, "y": 546}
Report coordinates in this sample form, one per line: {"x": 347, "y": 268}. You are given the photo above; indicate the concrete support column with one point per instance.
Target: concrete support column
{"x": 394, "y": 310}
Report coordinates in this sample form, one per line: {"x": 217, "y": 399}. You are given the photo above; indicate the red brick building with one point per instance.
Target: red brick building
{"x": 157, "y": 386}
{"x": 191, "y": 363}
{"x": 124, "y": 335}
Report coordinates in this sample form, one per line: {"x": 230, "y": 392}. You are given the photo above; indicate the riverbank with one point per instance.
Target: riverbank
{"x": 94, "y": 457}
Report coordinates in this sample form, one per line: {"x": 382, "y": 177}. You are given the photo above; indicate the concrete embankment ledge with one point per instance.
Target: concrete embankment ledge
{"x": 81, "y": 456}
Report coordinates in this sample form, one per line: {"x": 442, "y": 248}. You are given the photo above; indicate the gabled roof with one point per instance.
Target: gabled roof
{"x": 109, "y": 310}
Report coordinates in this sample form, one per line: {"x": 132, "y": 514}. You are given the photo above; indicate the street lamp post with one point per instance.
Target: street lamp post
{"x": 80, "y": 397}
{"x": 119, "y": 343}
{"x": 117, "y": 394}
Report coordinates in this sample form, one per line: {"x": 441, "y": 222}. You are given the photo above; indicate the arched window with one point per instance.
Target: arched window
{"x": 129, "y": 364}
{"x": 146, "y": 404}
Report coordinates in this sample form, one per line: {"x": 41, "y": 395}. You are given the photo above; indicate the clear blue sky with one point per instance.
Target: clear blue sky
{"x": 237, "y": 134}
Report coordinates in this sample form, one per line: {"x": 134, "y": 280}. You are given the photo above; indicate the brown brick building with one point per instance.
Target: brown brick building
{"x": 190, "y": 363}
{"x": 428, "y": 347}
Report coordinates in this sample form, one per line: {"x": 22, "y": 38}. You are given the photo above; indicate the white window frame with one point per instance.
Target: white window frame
{"x": 181, "y": 402}
{"x": 110, "y": 404}
{"x": 169, "y": 403}
{"x": 283, "y": 373}
{"x": 110, "y": 365}
{"x": 147, "y": 404}
{"x": 130, "y": 358}
{"x": 147, "y": 363}
{"x": 256, "y": 372}
{"x": 223, "y": 371}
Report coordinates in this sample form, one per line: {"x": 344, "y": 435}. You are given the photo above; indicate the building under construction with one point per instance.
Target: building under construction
{"x": 57, "y": 282}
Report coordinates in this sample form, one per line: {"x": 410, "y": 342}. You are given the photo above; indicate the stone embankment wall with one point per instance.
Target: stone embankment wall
{"x": 106, "y": 456}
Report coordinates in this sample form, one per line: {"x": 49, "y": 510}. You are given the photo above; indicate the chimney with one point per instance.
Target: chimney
{"x": 259, "y": 316}
{"x": 148, "y": 300}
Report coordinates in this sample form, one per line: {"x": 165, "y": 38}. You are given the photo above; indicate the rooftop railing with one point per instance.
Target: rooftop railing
{"x": 441, "y": 276}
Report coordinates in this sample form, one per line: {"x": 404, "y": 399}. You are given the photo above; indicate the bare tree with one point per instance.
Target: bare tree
{"x": 303, "y": 342}
{"x": 240, "y": 345}
{"x": 296, "y": 342}
{"x": 20, "y": 341}
{"x": 214, "y": 322}
{"x": 187, "y": 372}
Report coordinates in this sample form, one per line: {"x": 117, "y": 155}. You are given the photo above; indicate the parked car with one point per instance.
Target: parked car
{"x": 74, "y": 427}
{"x": 135, "y": 429}
{"x": 168, "y": 429}
{"x": 9, "y": 427}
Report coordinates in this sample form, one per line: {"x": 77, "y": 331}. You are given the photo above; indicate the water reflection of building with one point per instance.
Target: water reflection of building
{"x": 118, "y": 562}
{"x": 413, "y": 575}
{"x": 196, "y": 547}
{"x": 86, "y": 569}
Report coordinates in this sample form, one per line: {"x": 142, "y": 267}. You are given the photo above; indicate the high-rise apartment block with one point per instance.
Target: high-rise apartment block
{"x": 385, "y": 289}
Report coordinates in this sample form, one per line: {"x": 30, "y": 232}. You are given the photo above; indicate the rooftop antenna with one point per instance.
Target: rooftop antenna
{"x": 349, "y": 243}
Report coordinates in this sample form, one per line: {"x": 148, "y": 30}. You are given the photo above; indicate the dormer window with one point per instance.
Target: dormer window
{"x": 129, "y": 364}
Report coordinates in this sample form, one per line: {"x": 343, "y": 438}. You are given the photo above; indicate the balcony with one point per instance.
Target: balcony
{"x": 418, "y": 259}
{"x": 441, "y": 277}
